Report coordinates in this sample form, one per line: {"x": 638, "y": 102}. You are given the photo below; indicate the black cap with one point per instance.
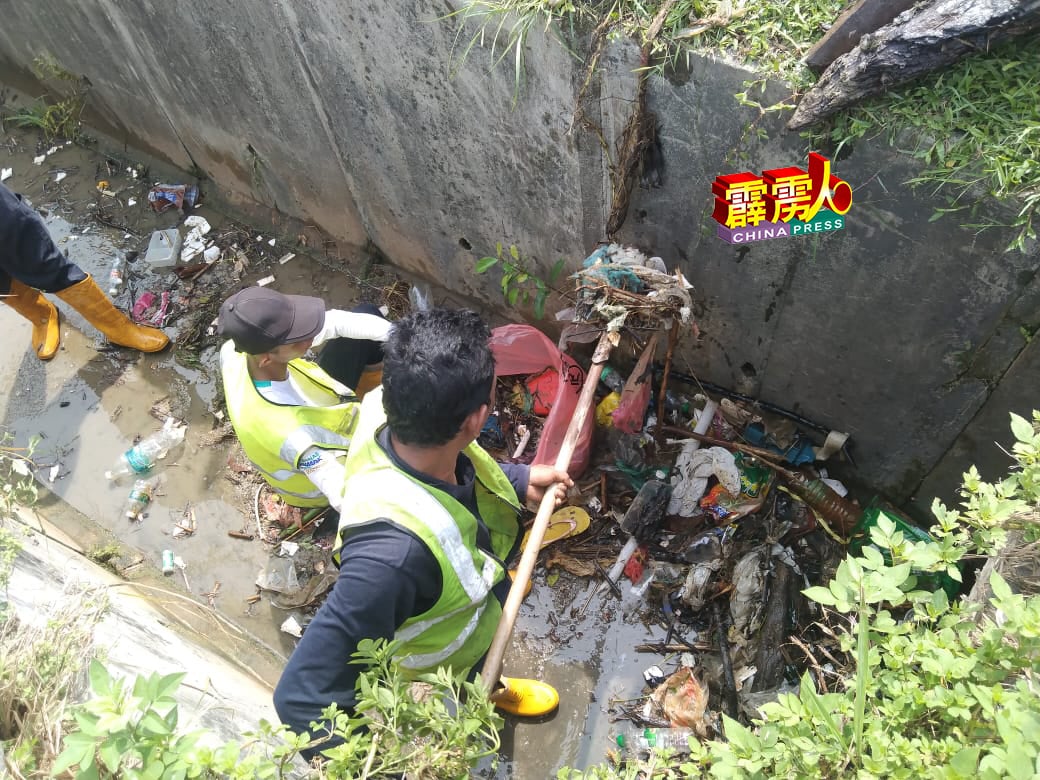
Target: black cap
{"x": 258, "y": 319}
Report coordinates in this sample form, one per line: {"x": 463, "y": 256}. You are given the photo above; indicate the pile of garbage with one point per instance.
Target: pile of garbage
{"x": 723, "y": 507}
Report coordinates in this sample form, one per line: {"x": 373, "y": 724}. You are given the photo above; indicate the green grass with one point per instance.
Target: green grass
{"x": 56, "y": 115}
{"x": 54, "y": 120}
{"x": 771, "y": 33}
{"x": 976, "y": 126}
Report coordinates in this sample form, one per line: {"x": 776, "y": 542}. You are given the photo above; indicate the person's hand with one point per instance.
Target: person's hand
{"x": 542, "y": 477}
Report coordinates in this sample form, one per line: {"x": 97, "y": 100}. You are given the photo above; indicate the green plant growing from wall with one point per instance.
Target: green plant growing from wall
{"x": 41, "y": 665}
{"x": 17, "y": 489}
{"x": 17, "y": 486}
{"x": 973, "y": 125}
{"x": 504, "y": 25}
{"x": 56, "y": 115}
{"x": 520, "y": 285}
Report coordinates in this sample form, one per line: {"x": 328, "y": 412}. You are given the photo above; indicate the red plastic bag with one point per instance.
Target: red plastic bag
{"x": 522, "y": 349}
{"x": 635, "y": 397}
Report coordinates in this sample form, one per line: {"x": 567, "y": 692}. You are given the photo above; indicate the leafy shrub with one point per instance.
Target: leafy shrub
{"x": 132, "y": 731}
{"x": 939, "y": 689}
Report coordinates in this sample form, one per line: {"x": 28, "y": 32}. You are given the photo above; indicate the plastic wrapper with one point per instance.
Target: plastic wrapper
{"x": 746, "y": 598}
{"x": 420, "y": 297}
{"x": 605, "y": 409}
{"x": 682, "y": 699}
{"x": 279, "y": 576}
{"x": 693, "y": 468}
{"x": 631, "y": 411}
{"x": 522, "y": 349}
{"x": 725, "y": 506}
{"x": 166, "y": 196}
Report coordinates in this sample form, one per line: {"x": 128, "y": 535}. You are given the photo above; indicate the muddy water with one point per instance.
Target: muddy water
{"x": 89, "y": 404}
{"x": 588, "y": 658}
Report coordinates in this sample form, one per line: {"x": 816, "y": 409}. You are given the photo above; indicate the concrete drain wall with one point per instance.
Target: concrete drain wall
{"x": 913, "y": 336}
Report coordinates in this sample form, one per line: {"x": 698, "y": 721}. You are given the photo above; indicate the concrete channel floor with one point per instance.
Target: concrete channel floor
{"x": 88, "y": 403}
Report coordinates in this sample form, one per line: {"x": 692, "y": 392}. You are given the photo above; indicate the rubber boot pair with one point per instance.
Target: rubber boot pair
{"x": 88, "y": 299}
{"x": 525, "y": 698}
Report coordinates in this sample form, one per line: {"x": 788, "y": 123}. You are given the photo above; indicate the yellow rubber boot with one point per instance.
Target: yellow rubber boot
{"x": 370, "y": 379}
{"x": 86, "y": 298}
{"x": 41, "y": 313}
{"x": 526, "y": 698}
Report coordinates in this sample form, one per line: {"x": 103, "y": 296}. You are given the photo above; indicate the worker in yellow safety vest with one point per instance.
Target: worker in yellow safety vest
{"x": 295, "y": 418}
{"x": 428, "y": 523}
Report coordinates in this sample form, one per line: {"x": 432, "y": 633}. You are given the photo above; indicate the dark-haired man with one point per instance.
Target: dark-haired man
{"x": 427, "y": 524}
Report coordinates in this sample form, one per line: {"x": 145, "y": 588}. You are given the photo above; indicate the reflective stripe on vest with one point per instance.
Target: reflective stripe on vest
{"x": 458, "y": 628}
{"x": 440, "y": 522}
{"x": 419, "y": 661}
{"x": 274, "y": 436}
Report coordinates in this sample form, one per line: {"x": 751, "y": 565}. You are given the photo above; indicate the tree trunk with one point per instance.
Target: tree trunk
{"x": 857, "y": 20}
{"x": 931, "y": 36}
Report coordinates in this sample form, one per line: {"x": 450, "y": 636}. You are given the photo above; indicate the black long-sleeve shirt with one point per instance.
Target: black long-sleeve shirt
{"x": 387, "y": 575}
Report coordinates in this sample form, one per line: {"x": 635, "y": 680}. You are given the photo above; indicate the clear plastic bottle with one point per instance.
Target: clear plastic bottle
{"x": 636, "y": 740}
{"x": 142, "y": 456}
{"x": 116, "y": 275}
{"x": 140, "y": 496}
{"x": 677, "y": 404}
{"x": 612, "y": 379}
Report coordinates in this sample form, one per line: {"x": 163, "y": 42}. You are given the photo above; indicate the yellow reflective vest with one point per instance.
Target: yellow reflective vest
{"x": 275, "y": 436}
{"x": 457, "y": 630}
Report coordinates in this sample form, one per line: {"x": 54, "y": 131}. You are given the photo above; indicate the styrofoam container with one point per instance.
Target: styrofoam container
{"x": 164, "y": 248}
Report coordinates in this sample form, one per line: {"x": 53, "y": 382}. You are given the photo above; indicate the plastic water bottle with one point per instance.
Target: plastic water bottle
{"x": 644, "y": 740}
{"x": 140, "y": 496}
{"x": 612, "y": 379}
{"x": 115, "y": 276}
{"x": 677, "y": 404}
{"x": 142, "y": 456}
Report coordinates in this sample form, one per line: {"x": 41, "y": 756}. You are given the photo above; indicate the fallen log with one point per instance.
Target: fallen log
{"x": 848, "y": 29}
{"x": 927, "y": 37}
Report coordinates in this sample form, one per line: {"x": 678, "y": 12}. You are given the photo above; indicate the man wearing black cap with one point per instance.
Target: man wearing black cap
{"x": 295, "y": 418}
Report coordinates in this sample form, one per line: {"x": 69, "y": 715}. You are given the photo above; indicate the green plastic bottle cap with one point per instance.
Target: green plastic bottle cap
{"x": 620, "y": 740}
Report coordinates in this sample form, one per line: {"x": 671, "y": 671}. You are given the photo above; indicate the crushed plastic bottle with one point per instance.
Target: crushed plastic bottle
{"x": 636, "y": 740}
{"x": 116, "y": 275}
{"x": 612, "y": 379}
{"x": 142, "y": 457}
{"x": 139, "y": 498}
{"x": 677, "y": 404}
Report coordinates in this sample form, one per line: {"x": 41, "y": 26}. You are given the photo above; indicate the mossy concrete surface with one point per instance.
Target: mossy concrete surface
{"x": 911, "y": 335}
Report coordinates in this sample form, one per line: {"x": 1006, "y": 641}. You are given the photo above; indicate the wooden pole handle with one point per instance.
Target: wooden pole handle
{"x": 493, "y": 661}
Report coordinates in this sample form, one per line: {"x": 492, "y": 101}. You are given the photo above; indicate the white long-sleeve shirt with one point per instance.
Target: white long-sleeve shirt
{"x": 325, "y": 467}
